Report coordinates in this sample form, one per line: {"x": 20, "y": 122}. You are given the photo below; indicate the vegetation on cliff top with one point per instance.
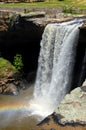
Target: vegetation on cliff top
{"x": 81, "y": 4}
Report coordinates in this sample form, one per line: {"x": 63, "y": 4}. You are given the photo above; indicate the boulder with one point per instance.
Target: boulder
{"x": 71, "y": 113}
{"x": 3, "y": 26}
{"x": 10, "y": 89}
{"x": 8, "y": 78}
{"x": 83, "y": 26}
{"x": 73, "y": 107}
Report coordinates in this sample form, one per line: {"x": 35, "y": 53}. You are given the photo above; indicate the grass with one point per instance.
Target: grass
{"x": 81, "y": 4}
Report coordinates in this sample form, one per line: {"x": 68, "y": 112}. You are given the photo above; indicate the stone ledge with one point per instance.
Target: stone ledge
{"x": 35, "y": 14}
{"x": 39, "y": 18}
{"x": 73, "y": 107}
{"x": 83, "y": 26}
{"x": 71, "y": 114}
{"x": 43, "y": 21}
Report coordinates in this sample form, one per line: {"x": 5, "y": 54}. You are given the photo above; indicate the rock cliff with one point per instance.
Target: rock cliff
{"x": 21, "y": 33}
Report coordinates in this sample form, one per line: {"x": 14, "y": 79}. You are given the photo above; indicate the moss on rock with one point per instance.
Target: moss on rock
{"x": 6, "y": 68}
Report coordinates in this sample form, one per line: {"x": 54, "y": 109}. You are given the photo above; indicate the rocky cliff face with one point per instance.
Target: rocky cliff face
{"x": 71, "y": 114}
{"x": 20, "y": 36}
{"x": 21, "y": 33}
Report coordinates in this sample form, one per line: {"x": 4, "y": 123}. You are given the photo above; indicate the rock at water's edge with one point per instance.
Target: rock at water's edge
{"x": 70, "y": 115}
{"x": 73, "y": 107}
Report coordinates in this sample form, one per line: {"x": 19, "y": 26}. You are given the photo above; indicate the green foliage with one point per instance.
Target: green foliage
{"x": 81, "y": 4}
{"x": 18, "y": 63}
{"x": 26, "y": 11}
{"x": 6, "y": 66}
{"x": 69, "y": 9}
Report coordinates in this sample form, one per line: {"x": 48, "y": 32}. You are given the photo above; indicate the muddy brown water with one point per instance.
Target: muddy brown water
{"x": 14, "y": 111}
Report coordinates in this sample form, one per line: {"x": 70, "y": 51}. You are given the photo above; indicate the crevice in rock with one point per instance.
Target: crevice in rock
{"x": 79, "y": 74}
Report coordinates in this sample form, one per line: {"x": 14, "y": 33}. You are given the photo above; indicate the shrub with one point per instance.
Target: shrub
{"x": 26, "y": 11}
{"x": 68, "y": 9}
{"x": 18, "y": 63}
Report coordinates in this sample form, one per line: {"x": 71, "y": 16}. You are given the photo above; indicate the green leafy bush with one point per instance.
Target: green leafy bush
{"x": 18, "y": 63}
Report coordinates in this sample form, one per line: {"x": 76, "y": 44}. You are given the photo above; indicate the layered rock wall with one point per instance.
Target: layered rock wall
{"x": 21, "y": 33}
{"x": 20, "y": 36}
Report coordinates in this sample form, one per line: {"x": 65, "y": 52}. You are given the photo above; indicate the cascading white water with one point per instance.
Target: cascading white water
{"x": 55, "y": 66}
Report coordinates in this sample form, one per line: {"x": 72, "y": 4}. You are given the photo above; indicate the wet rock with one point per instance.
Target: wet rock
{"x": 83, "y": 26}
{"x": 23, "y": 84}
{"x": 10, "y": 89}
{"x": 73, "y": 107}
{"x": 31, "y": 77}
{"x": 53, "y": 124}
{"x": 11, "y": 85}
{"x": 84, "y": 83}
{"x": 71, "y": 113}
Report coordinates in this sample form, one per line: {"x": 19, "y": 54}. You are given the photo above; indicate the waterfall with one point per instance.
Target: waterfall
{"x": 55, "y": 65}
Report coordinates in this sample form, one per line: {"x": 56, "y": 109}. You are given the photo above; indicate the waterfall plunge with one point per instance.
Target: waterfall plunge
{"x": 55, "y": 66}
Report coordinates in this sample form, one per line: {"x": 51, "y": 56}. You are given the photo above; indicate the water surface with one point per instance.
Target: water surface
{"x": 14, "y": 111}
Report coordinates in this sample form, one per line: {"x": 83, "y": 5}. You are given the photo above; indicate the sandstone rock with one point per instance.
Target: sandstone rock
{"x": 10, "y": 89}
{"x": 70, "y": 115}
{"x": 51, "y": 124}
{"x": 3, "y": 26}
{"x": 35, "y": 14}
{"x": 83, "y": 26}
{"x": 39, "y": 18}
{"x": 73, "y": 107}
{"x": 84, "y": 83}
